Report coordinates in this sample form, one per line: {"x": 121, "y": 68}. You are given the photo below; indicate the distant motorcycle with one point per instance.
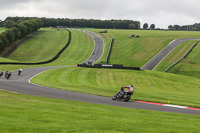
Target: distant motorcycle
{"x": 20, "y": 71}
{"x": 8, "y": 75}
{"x": 121, "y": 95}
{"x": 1, "y": 74}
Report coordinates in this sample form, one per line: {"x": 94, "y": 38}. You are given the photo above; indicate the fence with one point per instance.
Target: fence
{"x": 108, "y": 56}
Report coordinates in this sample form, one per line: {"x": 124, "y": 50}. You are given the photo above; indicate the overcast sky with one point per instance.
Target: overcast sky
{"x": 162, "y": 13}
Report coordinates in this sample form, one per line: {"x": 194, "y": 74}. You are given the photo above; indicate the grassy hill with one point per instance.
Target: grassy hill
{"x": 149, "y": 86}
{"x": 23, "y": 113}
{"x": 81, "y": 46}
{"x": 137, "y": 51}
{"x": 190, "y": 66}
{"x": 41, "y": 47}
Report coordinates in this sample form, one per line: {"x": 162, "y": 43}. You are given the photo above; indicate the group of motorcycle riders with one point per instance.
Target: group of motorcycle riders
{"x": 8, "y": 73}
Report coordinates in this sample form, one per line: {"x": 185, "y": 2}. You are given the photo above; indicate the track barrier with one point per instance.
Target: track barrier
{"x": 110, "y": 66}
{"x": 108, "y": 56}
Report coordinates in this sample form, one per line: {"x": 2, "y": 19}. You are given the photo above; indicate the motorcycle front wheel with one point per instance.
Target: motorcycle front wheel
{"x": 114, "y": 97}
{"x": 126, "y": 97}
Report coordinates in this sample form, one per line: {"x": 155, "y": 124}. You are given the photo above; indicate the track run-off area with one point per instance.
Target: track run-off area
{"x": 22, "y": 84}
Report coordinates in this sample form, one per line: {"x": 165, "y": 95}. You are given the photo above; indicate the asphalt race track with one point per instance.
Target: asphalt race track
{"x": 162, "y": 54}
{"x": 98, "y": 50}
{"x": 21, "y": 84}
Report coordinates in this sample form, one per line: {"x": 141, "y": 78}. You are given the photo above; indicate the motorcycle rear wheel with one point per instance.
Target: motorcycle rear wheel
{"x": 126, "y": 98}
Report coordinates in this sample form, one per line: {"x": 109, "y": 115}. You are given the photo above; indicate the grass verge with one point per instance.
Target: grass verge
{"x": 190, "y": 66}
{"x": 175, "y": 55}
{"x": 149, "y": 86}
{"x": 23, "y": 113}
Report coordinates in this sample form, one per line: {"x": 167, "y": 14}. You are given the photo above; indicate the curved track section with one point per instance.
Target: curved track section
{"x": 162, "y": 54}
{"x": 21, "y": 84}
{"x": 98, "y": 49}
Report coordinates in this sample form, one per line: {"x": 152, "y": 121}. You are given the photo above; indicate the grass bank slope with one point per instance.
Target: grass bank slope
{"x": 190, "y": 66}
{"x": 79, "y": 50}
{"x": 175, "y": 55}
{"x": 138, "y": 51}
{"x": 149, "y": 86}
{"x": 41, "y": 47}
{"x": 22, "y": 113}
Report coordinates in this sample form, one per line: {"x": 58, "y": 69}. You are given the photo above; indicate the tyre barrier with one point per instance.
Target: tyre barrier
{"x": 166, "y": 70}
{"x": 110, "y": 66}
{"x": 43, "y": 62}
{"x": 105, "y": 31}
{"x": 108, "y": 56}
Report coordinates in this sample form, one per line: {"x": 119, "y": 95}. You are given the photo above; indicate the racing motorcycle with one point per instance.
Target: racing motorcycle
{"x": 121, "y": 95}
{"x": 1, "y": 74}
{"x": 7, "y": 75}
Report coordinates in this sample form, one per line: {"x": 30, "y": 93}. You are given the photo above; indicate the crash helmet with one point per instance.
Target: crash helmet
{"x": 131, "y": 85}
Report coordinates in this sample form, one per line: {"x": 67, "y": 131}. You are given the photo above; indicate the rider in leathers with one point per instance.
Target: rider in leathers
{"x": 130, "y": 89}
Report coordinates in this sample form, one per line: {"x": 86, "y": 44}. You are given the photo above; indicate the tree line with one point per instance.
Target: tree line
{"x": 84, "y": 23}
{"x": 194, "y": 27}
{"x": 17, "y": 30}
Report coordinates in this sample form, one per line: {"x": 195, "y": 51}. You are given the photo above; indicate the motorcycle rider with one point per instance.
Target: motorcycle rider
{"x": 130, "y": 89}
{"x": 20, "y": 71}
{"x": 1, "y": 73}
{"x": 8, "y": 73}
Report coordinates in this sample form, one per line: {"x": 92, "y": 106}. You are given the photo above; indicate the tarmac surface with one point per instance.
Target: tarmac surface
{"x": 163, "y": 53}
{"x": 21, "y": 84}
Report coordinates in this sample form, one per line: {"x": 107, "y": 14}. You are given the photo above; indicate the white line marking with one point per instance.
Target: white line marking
{"x": 175, "y": 106}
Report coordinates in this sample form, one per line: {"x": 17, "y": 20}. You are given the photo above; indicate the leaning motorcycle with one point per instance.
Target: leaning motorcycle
{"x": 1, "y": 74}
{"x": 121, "y": 95}
{"x": 7, "y": 76}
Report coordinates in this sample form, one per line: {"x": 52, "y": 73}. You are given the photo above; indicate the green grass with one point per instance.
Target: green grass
{"x": 149, "y": 86}
{"x": 23, "y": 113}
{"x": 190, "y": 66}
{"x": 41, "y": 47}
{"x": 79, "y": 50}
{"x": 175, "y": 55}
{"x": 2, "y": 29}
{"x": 138, "y": 51}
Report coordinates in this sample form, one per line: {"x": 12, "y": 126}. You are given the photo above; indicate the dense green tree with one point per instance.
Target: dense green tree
{"x": 132, "y": 26}
{"x": 4, "y": 39}
{"x": 16, "y": 32}
{"x": 176, "y": 27}
{"x": 8, "y": 23}
{"x": 145, "y": 26}
{"x": 152, "y": 27}
{"x": 10, "y": 36}
{"x": 1, "y": 23}
{"x": 170, "y": 27}
{"x": 23, "y": 29}
{"x": 1, "y": 45}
